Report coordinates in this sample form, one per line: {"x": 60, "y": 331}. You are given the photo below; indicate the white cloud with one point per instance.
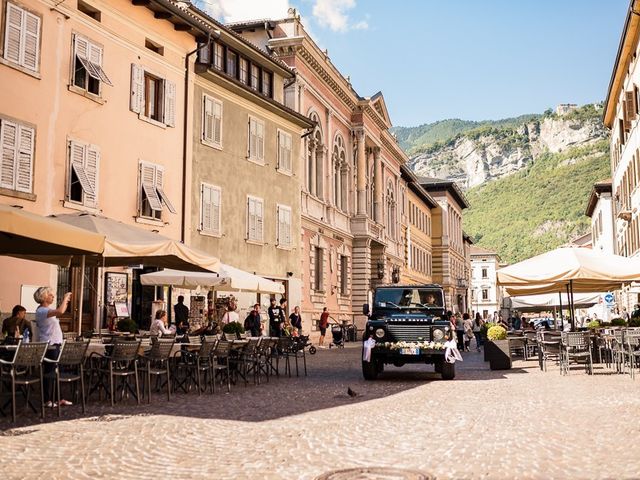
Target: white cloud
{"x": 239, "y": 10}
{"x": 334, "y": 15}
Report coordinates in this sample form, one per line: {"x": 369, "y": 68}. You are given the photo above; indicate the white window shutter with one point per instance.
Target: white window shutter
{"x": 207, "y": 119}
{"x": 9, "y": 144}
{"x": 252, "y": 138}
{"x": 217, "y": 122}
{"x": 251, "y": 219}
{"x": 169, "y": 103}
{"x": 215, "y": 210}
{"x": 278, "y": 225}
{"x": 259, "y": 220}
{"x": 148, "y": 184}
{"x": 260, "y": 140}
{"x": 81, "y": 46}
{"x": 205, "y": 208}
{"x": 92, "y": 170}
{"x": 287, "y": 227}
{"x": 24, "y": 179}
{"x": 13, "y": 33}
{"x": 137, "y": 88}
{"x": 31, "y": 41}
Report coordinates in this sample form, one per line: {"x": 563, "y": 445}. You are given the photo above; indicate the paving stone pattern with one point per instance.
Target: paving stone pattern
{"x": 521, "y": 423}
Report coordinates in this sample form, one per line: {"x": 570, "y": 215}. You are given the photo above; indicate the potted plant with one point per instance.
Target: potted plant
{"x": 127, "y": 325}
{"x": 483, "y": 334}
{"x": 233, "y": 329}
{"x": 497, "y": 348}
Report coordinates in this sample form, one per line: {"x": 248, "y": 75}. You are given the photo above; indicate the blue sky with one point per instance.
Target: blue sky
{"x": 469, "y": 59}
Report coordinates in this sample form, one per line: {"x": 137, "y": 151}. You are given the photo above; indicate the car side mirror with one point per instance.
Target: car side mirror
{"x": 365, "y": 309}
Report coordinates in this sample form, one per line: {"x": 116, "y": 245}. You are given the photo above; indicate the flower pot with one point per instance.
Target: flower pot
{"x": 498, "y": 354}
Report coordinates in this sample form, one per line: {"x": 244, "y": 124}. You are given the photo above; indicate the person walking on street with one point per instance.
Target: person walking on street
{"x": 324, "y": 323}
{"x": 468, "y": 330}
{"x": 276, "y": 317}
{"x": 181, "y": 316}
{"x": 477, "y": 330}
{"x": 253, "y": 322}
{"x": 460, "y": 332}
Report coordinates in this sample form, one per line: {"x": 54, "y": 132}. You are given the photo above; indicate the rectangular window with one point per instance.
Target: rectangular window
{"x": 284, "y": 226}
{"x": 319, "y": 262}
{"x": 344, "y": 274}
{"x": 17, "y": 144}
{"x": 255, "y": 77}
{"x": 255, "y": 219}
{"x": 151, "y": 193}
{"x": 256, "y": 140}
{"x": 22, "y": 37}
{"x": 218, "y": 56}
{"x": 485, "y": 294}
{"x": 485, "y": 273}
{"x": 244, "y": 71}
{"x": 232, "y": 64}
{"x": 212, "y": 121}
{"x": 153, "y": 46}
{"x": 210, "y": 209}
{"x": 89, "y": 11}
{"x": 284, "y": 152}
{"x": 266, "y": 83}
{"x": 84, "y": 167}
{"x": 87, "y": 65}
{"x": 152, "y": 97}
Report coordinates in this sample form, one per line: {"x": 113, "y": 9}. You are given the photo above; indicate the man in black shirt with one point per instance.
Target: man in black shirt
{"x": 181, "y": 316}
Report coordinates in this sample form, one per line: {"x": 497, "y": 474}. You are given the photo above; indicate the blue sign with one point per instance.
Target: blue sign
{"x": 609, "y": 298}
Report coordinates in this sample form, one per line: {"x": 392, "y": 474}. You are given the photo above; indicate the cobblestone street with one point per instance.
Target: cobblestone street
{"x": 517, "y": 424}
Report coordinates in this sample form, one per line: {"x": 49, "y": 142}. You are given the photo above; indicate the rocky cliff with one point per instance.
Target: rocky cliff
{"x": 488, "y": 152}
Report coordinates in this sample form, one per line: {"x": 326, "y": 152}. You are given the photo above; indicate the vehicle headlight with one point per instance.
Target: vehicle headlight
{"x": 438, "y": 334}
{"x": 379, "y": 332}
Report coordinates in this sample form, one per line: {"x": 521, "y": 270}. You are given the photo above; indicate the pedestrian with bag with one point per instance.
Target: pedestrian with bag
{"x": 467, "y": 325}
{"x": 253, "y": 321}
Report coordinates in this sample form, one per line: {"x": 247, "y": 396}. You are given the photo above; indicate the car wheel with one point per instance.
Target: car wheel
{"x": 370, "y": 369}
{"x": 448, "y": 371}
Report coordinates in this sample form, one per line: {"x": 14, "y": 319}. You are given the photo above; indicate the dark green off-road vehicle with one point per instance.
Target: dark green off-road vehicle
{"x": 409, "y": 325}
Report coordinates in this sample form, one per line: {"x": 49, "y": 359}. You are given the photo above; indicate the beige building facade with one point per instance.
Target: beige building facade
{"x": 91, "y": 120}
{"x": 450, "y": 265}
{"x": 486, "y": 296}
{"x": 351, "y": 190}
{"x": 622, "y": 118}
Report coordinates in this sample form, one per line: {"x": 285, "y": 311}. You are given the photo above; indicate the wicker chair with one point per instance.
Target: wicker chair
{"x": 28, "y": 357}
{"x": 71, "y": 359}
{"x": 156, "y": 362}
{"x": 576, "y": 346}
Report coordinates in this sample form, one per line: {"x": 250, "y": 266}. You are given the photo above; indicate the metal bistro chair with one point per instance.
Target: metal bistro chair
{"x": 531, "y": 344}
{"x": 201, "y": 362}
{"x": 248, "y": 360}
{"x": 548, "y": 348}
{"x": 576, "y": 346}
{"x": 220, "y": 364}
{"x": 156, "y": 362}
{"x": 121, "y": 363}
{"x": 285, "y": 346}
{"x": 631, "y": 351}
{"x": 71, "y": 359}
{"x": 297, "y": 351}
{"x": 19, "y": 372}
{"x": 616, "y": 347}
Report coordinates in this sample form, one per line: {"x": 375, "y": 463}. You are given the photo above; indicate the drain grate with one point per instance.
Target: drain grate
{"x": 375, "y": 473}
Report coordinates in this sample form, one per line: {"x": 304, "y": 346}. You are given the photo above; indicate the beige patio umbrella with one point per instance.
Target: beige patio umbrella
{"x": 35, "y": 237}
{"x": 127, "y": 244}
{"x": 227, "y": 279}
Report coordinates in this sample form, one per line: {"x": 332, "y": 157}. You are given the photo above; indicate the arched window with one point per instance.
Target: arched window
{"x": 391, "y": 211}
{"x": 315, "y": 158}
{"x": 340, "y": 173}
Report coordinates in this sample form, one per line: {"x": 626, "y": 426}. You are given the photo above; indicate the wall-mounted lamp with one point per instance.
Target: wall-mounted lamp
{"x": 395, "y": 274}
{"x": 380, "y": 270}
{"x": 289, "y": 274}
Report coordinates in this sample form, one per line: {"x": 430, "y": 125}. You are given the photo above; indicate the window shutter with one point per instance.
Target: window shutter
{"x": 169, "y": 103}
{"x": 252, "y": 138}
{"x": 217, "y": 122}
{"x": 160, "y": 189}
{"x": 259, "y": 220}
{"x": 260, "y": 140}
{"x": 8, "y": 141}
{"x": 629, "y": 106}
{"x": 95, "y": 56}
{"x": 215, "y": 210}
{"x": 92, "y": 168}
{"x": 205, "y": 208}
{"x": 81, "y": 46}
{"x": 77, "y": 163}
{"x": 626, "y": 120}
{"x": 148, "y": 180}
{"x": 207, "y": 119}
{"x": 13, "y": 33}
{"x": 31, "y": 41}
{"x": 287, "y": 226}
{"x": 279, "y": 229}
{"x": 251, "y": 219}
{"x": 24, "y": 180}
{"x": 137, "y": 88}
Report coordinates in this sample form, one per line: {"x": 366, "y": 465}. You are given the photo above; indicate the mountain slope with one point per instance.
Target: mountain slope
{"x": 540, "y": 207}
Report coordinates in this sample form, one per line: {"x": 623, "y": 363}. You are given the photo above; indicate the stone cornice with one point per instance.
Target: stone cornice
{"x": 394, "y": 148}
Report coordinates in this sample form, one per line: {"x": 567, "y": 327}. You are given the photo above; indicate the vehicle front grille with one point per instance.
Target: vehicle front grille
{"x": 409, "y": 333}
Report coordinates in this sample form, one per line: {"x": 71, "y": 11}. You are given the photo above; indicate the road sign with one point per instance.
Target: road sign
{"x": 609, "y": 299}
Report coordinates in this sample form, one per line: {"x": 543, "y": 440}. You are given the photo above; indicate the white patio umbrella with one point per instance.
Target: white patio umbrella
{"x": 227, "y": 279}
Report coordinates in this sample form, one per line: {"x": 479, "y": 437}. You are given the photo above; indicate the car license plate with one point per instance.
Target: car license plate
{"x": 410, "y": 351}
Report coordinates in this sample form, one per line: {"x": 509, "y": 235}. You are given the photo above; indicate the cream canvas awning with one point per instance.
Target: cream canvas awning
{"x": 227, "y": 279}
{"x": 551, "y": 300}
{"x": 127, "y": 244}
{"x": 35, "y": 237}
{"x": 583, "y": 269}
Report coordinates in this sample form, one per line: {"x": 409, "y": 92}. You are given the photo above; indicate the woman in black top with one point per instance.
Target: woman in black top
{"x": 296, "y": 320}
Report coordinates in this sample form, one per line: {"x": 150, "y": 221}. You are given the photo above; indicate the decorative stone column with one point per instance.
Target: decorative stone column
{"x": 377, "y": 181}
{"x": 362, "y": 174}
{"x": 313, "y": 149}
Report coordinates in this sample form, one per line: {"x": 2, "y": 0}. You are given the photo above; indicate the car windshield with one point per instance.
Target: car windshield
{"x": 408, "y": 297}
